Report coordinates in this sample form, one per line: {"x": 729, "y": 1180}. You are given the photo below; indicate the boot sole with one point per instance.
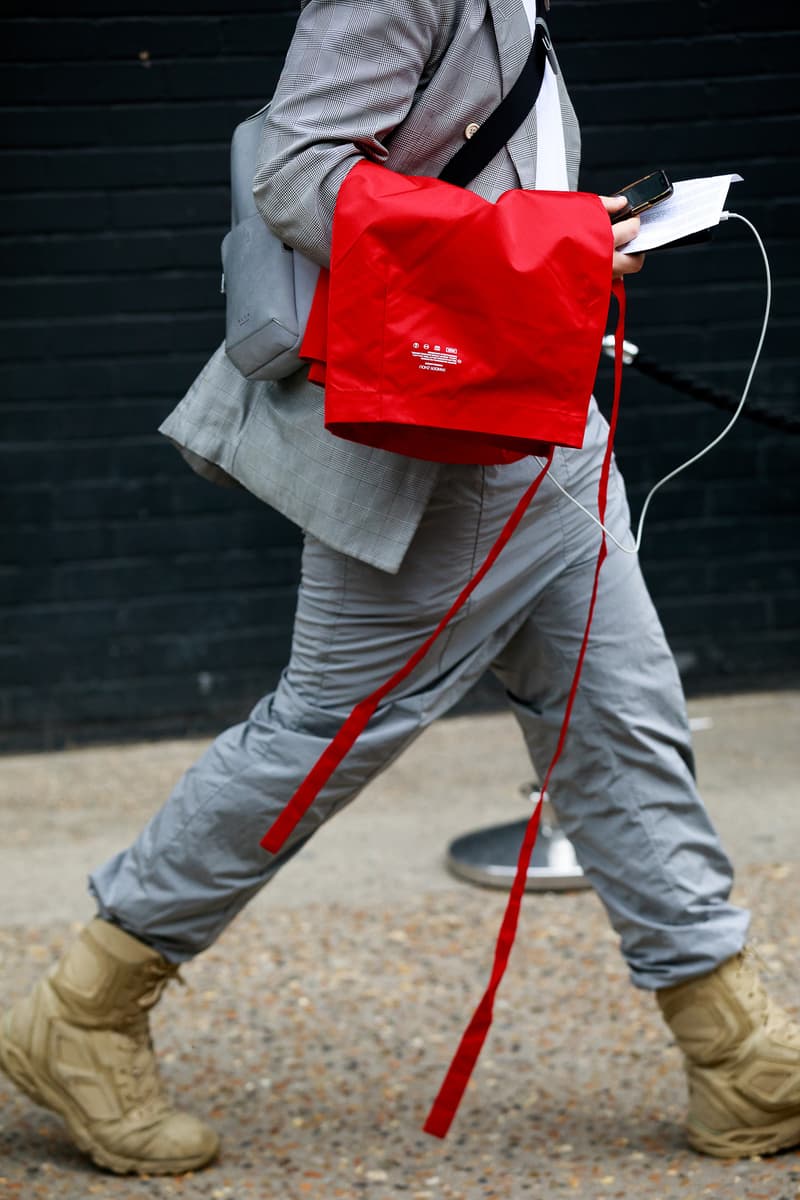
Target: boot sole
{"x": 744, "y": 1143}
{"x": 16, "y": 1065}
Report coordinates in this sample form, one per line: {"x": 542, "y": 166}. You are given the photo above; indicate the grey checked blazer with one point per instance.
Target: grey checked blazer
{"x": 397, "y": 83}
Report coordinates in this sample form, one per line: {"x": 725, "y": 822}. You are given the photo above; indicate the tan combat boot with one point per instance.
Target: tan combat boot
{"x": 80, "y": 1045}
{"x": 742, "y": 1062}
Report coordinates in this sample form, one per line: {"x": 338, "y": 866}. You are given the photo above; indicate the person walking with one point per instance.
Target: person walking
{"x": 388, "y": 542}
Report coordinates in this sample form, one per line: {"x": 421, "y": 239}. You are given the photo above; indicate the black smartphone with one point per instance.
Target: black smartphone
{"x": 642, "y": 194}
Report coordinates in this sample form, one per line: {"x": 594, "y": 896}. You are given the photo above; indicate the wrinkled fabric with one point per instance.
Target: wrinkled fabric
{"x": 457, "y": 330}
{"x": 624, "y": 790}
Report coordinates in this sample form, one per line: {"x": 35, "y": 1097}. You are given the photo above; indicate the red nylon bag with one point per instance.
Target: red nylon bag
{"x": 455, "y": 329}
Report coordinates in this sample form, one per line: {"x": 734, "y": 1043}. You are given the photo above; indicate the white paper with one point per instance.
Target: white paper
{"x": 695, "y": 204}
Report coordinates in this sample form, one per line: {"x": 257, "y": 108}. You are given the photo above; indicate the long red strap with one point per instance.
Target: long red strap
{"x": 455, "y": 1082}
{"x": 359, "y": 718}
{"x": 458, "y": 1075}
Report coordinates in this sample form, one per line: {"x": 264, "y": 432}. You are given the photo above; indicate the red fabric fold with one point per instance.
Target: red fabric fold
{"x": 457, "y": 329}
{"x": 315, "y": 340}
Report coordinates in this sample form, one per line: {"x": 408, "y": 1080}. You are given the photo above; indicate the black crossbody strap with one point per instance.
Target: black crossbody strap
{"x": 504, "y": 122}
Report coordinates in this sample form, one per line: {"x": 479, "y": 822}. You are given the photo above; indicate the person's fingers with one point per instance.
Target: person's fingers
{"x": 626, "y": 264}
{"x": 625, "y": 231}
{"x": 613, "y": 204}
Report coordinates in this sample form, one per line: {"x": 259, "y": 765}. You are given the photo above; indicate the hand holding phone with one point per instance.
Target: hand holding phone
{"x": 622, "y": 234}
{"x": 643, "y": 194}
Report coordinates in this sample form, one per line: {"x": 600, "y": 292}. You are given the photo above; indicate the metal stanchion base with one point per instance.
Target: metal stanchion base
{"x": 489, "y": 856}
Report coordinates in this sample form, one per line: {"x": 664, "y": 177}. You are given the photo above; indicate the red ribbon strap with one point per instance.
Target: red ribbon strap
{"x": 458, "y": 1075}
{"x": 357, "y": 722}
{"x": 455, "y": 1082}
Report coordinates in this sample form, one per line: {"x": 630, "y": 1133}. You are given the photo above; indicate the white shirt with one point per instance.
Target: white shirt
{"x": 551, "y": 154}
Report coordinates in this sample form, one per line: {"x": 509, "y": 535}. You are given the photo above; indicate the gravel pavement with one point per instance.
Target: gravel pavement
{"x": 314, "y": 1035}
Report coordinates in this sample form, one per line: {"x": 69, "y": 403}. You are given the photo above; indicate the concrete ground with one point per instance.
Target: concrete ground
{"x": 314, "y": 1035}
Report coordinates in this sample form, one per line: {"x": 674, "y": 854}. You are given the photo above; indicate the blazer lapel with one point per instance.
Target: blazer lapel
{"x": 513, "y": 35}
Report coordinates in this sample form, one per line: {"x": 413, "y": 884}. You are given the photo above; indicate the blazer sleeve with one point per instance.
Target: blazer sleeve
{"x": 350, "y": 77}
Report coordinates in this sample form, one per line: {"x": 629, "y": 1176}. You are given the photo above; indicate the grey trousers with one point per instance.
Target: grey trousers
{"x": 624, "y": 789}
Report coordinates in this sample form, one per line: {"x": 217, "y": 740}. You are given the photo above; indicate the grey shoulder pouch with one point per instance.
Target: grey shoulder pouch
{"x": 268, "y": 286}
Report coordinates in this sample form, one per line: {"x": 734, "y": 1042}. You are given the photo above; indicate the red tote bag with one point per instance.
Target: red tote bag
{"x": 455, "y": 329}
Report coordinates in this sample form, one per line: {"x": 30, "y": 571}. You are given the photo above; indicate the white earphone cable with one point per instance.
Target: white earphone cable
{"x": 715, "y": 441}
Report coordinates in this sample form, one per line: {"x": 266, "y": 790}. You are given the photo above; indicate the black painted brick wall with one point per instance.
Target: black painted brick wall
{"x": 135, "y": 597}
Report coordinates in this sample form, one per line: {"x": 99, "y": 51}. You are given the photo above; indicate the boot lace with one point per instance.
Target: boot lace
{"x": 136, "y": 1072}
{"x": 136, "y": 1075}
{"x": 775, "y": 1020}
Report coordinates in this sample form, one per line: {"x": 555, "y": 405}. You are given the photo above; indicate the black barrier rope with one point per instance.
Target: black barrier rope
{"x": 754, "y": 410}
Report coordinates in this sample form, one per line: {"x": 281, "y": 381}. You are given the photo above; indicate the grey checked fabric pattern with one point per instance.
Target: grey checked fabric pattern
{"x": 397, "y": 83}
